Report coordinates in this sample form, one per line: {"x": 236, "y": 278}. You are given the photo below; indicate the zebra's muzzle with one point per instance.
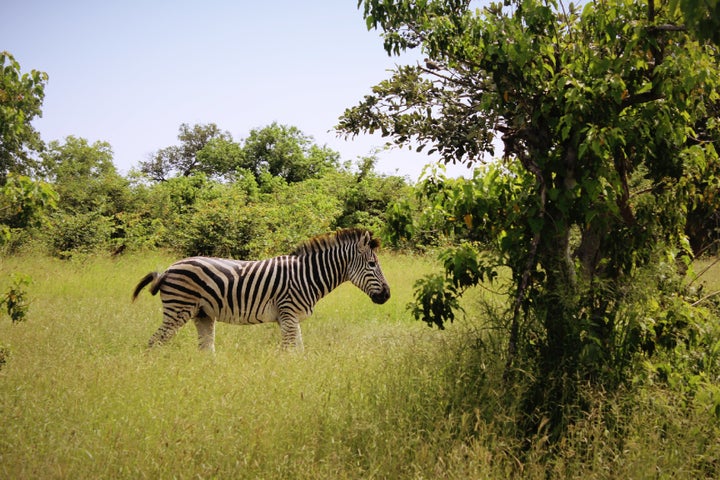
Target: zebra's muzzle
{"x": 382, "y": 296}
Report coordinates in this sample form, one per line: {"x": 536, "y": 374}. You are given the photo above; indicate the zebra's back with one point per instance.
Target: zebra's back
{"x": 232, "y": 291}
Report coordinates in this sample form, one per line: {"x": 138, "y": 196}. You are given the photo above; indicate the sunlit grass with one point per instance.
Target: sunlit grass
{"x": 82, "y": 398}
{"x": 706, "y": 271}
{"x": 376, "y": 394}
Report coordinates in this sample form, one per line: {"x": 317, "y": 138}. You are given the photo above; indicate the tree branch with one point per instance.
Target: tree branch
{"x": 667, "y": 27}
{"x": 646, "y": 97}
{"x": 709, "y": 295}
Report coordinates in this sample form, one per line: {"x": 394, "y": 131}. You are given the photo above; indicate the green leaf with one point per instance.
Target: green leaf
{"x": 648, "y": 86}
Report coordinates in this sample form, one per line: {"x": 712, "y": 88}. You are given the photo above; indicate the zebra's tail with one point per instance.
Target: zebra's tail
{"x": 153, "y": 277}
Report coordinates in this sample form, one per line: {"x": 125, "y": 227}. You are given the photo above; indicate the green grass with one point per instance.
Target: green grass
{"x": 706, "y": 272}
{"x": 82, "y": 398}
{"x": 375, "y": 394}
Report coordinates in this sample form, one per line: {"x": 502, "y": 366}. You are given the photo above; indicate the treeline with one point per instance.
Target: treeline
{"x": 206, "y": 195}
{"x": 212, "y": 195}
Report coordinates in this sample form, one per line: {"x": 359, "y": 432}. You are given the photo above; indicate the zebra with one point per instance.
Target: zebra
{"x": 282, "y": 289}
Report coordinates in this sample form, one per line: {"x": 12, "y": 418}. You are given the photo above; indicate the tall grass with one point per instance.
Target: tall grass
{"x": 374, "y": 395}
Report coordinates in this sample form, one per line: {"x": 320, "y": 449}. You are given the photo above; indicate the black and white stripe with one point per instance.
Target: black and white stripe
{"x": 283, "y": 289}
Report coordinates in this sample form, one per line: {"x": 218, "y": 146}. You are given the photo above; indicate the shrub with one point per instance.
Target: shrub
{"x": 15, "y": 301}
{"x": 137, "y": 231}
{"x": 4, "y": 355}
{"x": 292, "y": 214}
{"x": 81, "y": 233}
{"x": 219, "y": 227}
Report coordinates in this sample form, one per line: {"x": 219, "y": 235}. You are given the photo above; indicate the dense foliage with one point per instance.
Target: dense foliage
{"x": 208, "y": 195}
{"x": 21, "y": 97}
{"x": 607, "y": 113}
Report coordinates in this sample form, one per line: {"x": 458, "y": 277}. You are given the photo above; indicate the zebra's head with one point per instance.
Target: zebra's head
{"x": 364, "y": 269}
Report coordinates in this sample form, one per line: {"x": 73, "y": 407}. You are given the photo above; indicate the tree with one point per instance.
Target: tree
{"x": 595, "y": 110}
{"x": 21, "y": 97}
{"x": 23, "y": 203}
{"x": 85, "y": 176}
{"x": 367, "y": 195}
{"x": 702, "y": 18}
{"x": 221, "y": 157}
{"x": 286, "y": 152}
{"x": 184, "y": 159}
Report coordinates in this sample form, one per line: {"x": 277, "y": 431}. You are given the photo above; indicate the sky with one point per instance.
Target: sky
{"x": 130, "y": 73}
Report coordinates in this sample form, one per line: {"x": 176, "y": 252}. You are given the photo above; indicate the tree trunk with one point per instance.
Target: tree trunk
{"x": 560, "y": 292}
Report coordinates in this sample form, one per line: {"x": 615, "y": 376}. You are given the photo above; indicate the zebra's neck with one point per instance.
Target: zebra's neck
{"x": 324, "y": 271}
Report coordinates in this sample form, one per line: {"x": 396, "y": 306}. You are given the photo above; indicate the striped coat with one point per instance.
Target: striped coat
{"x": 282, "y": 289}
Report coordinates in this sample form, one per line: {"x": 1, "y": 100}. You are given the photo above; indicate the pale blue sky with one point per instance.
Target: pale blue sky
{"x": 131, "y": 72}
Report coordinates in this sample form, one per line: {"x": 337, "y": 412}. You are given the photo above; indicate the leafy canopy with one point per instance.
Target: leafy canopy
{"x": 286, "y": 152}
{"x": 21, "y": 97}
{"x": 85, "y": 176}
{"x": 272, "y": 152}
{"x": 184, "y": 159}
{"x": 606, "y": 114}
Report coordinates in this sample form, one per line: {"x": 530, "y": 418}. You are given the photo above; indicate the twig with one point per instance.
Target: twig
{"x": 705, "y": 248}
{"x": 704, "y": 270}
{"x": 667, "y": 28}
{"x": 695, "y": 304}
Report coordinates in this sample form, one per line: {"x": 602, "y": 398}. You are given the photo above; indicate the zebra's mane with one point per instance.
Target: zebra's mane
{"x": 327, "y": 241}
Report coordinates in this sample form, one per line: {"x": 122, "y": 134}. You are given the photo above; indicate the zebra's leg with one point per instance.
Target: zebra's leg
{"x": 206, "y": 333}
{"x": 290, "y": 332}
{"x": 172, "y": 322}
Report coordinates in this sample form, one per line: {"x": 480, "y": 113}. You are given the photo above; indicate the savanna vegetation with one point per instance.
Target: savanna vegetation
{"x": 573, "y": 281}
{"x": 375, "y": 395}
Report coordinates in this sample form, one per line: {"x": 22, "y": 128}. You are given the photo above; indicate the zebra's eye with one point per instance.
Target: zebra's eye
{"x": 372, "y": 264}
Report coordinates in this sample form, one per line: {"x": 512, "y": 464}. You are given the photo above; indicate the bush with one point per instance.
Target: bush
{"x": 292, "y": 214}
{"x": 137, "y": 231}
{"x": 82, "y": 233}
{"x": 14, "y": 301}
{"x": 4, "y": 355}
{"x": 366, "y": 197}
{"x": 228, "y": 222}
{"x": 219, "y": 227}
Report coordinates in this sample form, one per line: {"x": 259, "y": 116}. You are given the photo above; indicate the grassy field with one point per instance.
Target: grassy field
{"x": 375, "y": 394}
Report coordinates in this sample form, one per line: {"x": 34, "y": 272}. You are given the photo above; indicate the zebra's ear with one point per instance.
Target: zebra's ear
{"x": 365, "y": 241}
